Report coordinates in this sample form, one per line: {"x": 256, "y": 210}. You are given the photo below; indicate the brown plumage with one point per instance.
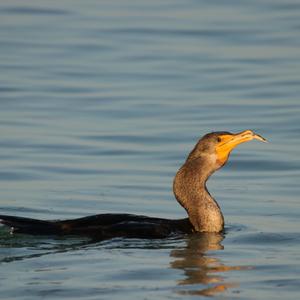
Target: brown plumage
{"x": 204, "y": 214}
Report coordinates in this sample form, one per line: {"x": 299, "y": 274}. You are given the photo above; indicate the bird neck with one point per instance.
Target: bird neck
{"x": 190, "y": 191}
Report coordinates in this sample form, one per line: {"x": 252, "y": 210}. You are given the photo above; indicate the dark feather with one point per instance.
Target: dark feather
{"x": 101, "y": 226}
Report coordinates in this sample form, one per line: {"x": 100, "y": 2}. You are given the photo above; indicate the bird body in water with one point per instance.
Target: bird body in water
{"x": 189, "y": 186}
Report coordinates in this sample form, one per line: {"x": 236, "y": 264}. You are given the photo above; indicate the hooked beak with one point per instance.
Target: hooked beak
{"x": 230, "y": 141}
{"x": 242, "y": 137}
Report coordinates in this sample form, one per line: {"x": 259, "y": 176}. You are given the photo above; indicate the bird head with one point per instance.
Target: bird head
{"x": 217, "y": 146}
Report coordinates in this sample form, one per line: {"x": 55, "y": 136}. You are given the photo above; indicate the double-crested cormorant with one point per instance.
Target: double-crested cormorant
{"x": 204, "y": 214}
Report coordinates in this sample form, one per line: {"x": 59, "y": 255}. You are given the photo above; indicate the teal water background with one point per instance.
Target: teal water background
{"x": 100, "y": 102}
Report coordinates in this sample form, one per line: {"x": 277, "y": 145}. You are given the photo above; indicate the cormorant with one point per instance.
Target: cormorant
{"x": 204, "y": 214}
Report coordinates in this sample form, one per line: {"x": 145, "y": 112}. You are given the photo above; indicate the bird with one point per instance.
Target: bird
{"x": 210, "y": 153}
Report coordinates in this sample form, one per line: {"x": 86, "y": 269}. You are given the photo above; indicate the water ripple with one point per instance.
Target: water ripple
{"x": 33, "y": 10}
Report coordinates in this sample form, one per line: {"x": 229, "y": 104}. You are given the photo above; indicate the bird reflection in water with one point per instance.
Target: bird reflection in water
{"x": 202, "y": 271}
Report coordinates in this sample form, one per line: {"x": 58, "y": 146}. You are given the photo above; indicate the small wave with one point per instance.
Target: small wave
{"x": 268, "y": 238}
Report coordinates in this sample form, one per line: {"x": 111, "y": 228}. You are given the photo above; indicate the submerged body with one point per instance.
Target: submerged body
{"x": 204, "y": 214}
{"x": 102, "y": 226}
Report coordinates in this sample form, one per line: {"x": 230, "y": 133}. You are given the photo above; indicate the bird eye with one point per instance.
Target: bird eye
{"x": 219, "y": 139}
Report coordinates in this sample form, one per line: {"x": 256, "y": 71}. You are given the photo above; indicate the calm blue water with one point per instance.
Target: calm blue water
{"x": 100, "y": 102}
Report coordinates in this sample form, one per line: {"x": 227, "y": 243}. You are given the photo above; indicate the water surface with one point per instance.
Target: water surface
{"x": 100, "y": 102}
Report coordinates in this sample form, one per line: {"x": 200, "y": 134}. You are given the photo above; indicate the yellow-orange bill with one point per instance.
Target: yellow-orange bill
{"x": 260, "y": 138}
